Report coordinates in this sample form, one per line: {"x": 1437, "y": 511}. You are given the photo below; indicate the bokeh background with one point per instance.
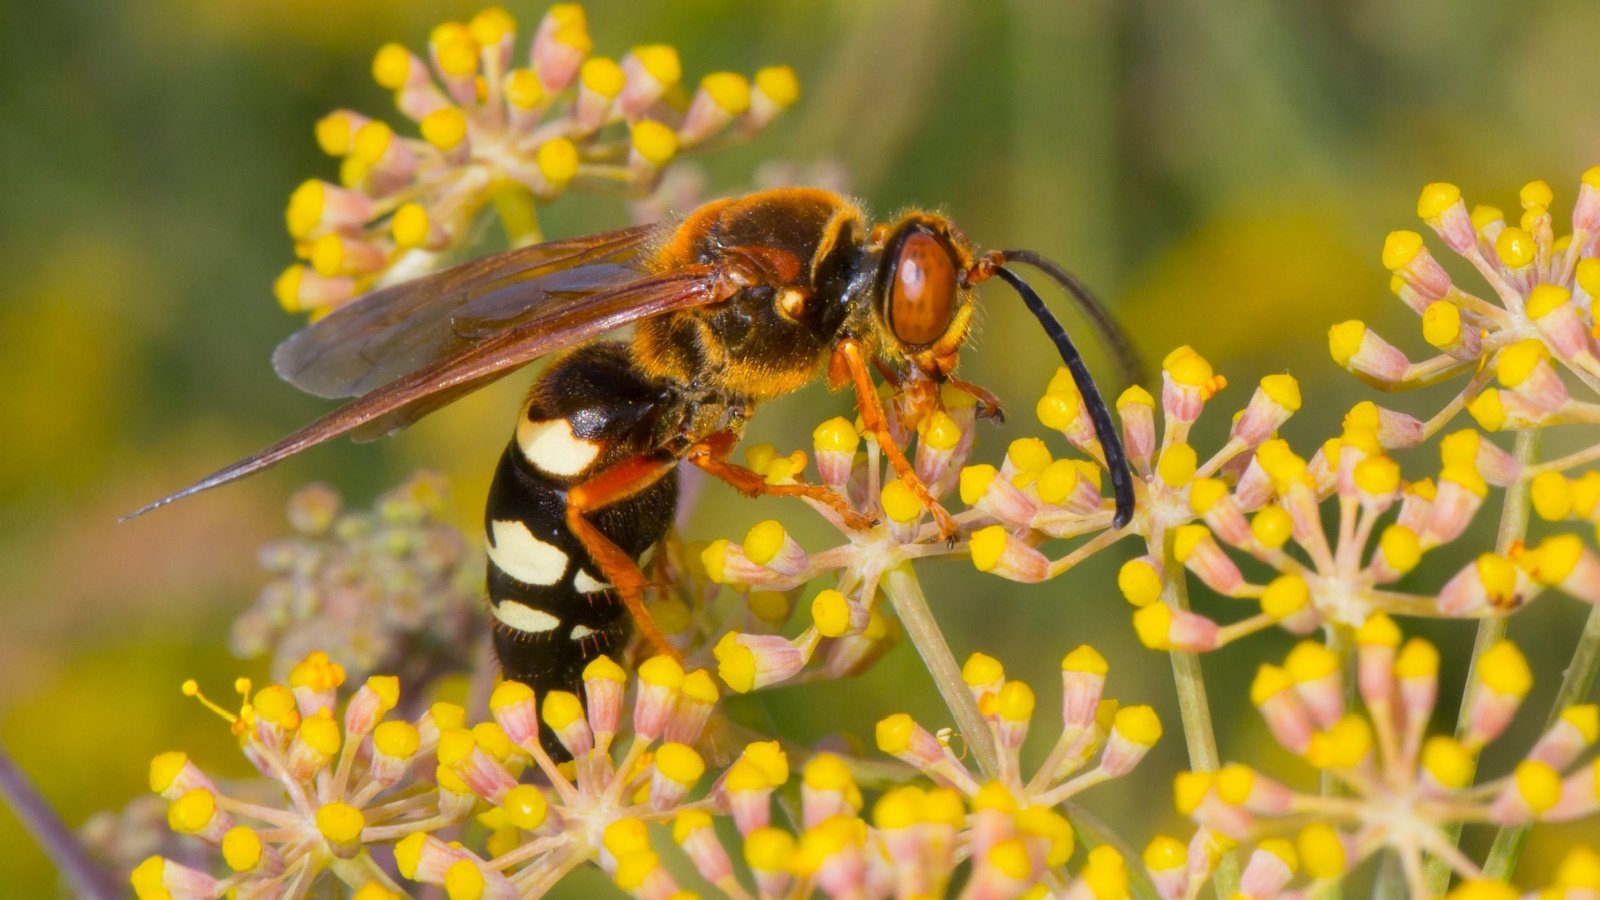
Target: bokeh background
{"x": 1223, "y": 171}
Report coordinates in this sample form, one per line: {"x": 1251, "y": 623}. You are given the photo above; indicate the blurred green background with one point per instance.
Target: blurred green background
{"x": 1223, "y": 171}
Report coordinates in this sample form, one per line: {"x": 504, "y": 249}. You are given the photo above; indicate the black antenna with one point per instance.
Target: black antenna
{"x": 1110, "y": 442}
{"x": 1128, "y": 359}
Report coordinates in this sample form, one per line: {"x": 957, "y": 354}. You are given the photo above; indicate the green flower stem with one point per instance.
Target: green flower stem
{"x": 1193, "y": 705}
{"x": 519, "y": 214}
{"x": 1513, "y": 527}
{"x": 905, "y": 593}
{"x": 1508, "y": 843}
{"x": 54, "y": 837}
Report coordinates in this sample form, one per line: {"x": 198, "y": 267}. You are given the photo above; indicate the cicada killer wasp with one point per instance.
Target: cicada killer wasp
{"x": 742, "y": 301}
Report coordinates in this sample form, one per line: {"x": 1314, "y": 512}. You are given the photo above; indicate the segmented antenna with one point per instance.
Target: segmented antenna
{"x": 1099, "y": 414}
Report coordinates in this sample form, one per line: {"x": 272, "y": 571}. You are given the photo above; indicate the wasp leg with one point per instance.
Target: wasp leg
{"x": 988, "y": 404}
{"x": 616, "y": 483}
{"x": 711, "y": 454}
{"x": 886, "y": 373}
{"x": 873, "y": 418}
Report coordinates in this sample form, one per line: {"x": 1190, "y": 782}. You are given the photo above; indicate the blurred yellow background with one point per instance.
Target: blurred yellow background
{"x": 1223, "y": 171}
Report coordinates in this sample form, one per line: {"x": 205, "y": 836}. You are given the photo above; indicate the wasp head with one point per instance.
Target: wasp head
{"x": 923, "y": 305}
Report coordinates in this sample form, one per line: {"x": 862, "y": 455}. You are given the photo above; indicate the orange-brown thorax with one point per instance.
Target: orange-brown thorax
{"x": 811, "y": 273}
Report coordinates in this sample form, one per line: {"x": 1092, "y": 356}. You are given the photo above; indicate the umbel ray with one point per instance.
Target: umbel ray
{"x": 740, "y": 302}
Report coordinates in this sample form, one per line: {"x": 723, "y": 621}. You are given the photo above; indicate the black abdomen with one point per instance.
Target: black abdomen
{"x": 553, "y": 609}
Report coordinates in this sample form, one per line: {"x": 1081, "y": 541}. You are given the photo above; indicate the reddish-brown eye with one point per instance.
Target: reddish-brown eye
{"x": 922, "y": 291}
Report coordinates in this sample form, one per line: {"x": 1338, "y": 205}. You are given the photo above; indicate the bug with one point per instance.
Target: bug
{"x": 742, "y": 301}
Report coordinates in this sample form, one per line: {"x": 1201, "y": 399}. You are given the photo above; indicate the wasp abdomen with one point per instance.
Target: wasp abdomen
{"x": 553, "y": 610}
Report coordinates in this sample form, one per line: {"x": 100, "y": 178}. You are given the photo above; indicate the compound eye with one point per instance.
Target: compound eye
{"x": 922, "y": 290}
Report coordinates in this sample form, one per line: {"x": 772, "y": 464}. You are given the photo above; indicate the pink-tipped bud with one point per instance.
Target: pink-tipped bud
{"x": 377, "y": 696}
{"x": 746, "y": 787}
{"x": 313, "y": 746}
{"x": 318, "y": 207}
{"x": 660, "y": 680}
{"x": 196, "y": 812}
{"x": 748, "y": 662}
{"x": 1137, "y": 409}
{"x": 559, "y": 46}
{"x": 482, "y": 773}
{"x": 1525, "y": 370}
{"x": 827, "y": 789}
{"x": 1563, "y": 561}
{"x": 603, "y": 684}
{"x": 775, "y": 89}
{"x": 1560, "y": 321}
{"x": 720, "y": 97}
{"x": 1133, "y": 732}
{"x": 424, "y": 858}
{"x": 161, "y": 877}
{"x": 1416, "y": 669}
{"x": 1533, "y": 788}
{"x": 600, "y": 80}
{"x": 394, "y": 746}
{"x": 1471, "y": 449}
{"x": 696, "y": 700}
{"x": 1363, "y": 353}
{"x": 901, "y": 737}
{"x": 1316, "y": 674}
{"x": 984, "y": 489}
{"x": 1162, "y": 627}
{"x": 647, "y": 73}
{"x": 676, "y": 769}
{"x": 516, "y": 710}
{"x": 1187, "y": 382}
{"x": 939, "y": 439}
{"x": 1275, "y": 400}
{"x": 1376, "y": 642}
{"x": 693, "y": 831}
{"x": 1503, "y": 679}
{"x": 1285, "y": 713}
{"x": 1460, "y": 492}
{"x": 1580, "y": 795}
{"x": 1489, "y": 585}
{"x": 1574, "y": 731}
{"x": 1395, "y": 430}
{"x": 300, "y": 289}
{"x": 1270, "y": 869}
{"x": 563, "y": 713}
{"x": 1083, "y": 678}
{"x": 1062, "y": 409}
{"x": 1405, "y": 255}
{"x": 835, "y": 442}
{"x": 1442, "y": 208}
{"x": 1166, "y": 861}
{"x": 1586, "y": 210}
{"x": 1199, "y": 552}
{"x": 999, "y": 552}
{"x": 173, "y": 774}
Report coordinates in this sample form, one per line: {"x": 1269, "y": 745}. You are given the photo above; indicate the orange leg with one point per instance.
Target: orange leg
{"x": 873, "y": 418}
{"x": 988, "y": 404}
{"x": 610, "y": 486}
{"x": 712, "y": 455}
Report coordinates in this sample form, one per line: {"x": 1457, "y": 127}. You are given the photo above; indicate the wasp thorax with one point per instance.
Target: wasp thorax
{"x": 922, "y": 289}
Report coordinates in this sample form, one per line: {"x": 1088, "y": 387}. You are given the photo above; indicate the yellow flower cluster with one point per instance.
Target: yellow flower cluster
{"x": 496, "y": 126}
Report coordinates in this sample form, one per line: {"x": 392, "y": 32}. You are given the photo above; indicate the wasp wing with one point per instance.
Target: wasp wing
{"x": 542, "y": 329}
{"x": 399, "y": 329}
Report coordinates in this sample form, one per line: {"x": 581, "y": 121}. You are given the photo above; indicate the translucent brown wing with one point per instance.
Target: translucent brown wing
{"x": 545, "y": 328}
{"x": 399, "y": 329}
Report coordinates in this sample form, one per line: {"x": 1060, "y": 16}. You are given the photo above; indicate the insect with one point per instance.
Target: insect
{"x": 742, "y": 301}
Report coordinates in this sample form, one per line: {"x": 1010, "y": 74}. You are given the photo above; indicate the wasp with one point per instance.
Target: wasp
{"x": 742, "y": 301}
